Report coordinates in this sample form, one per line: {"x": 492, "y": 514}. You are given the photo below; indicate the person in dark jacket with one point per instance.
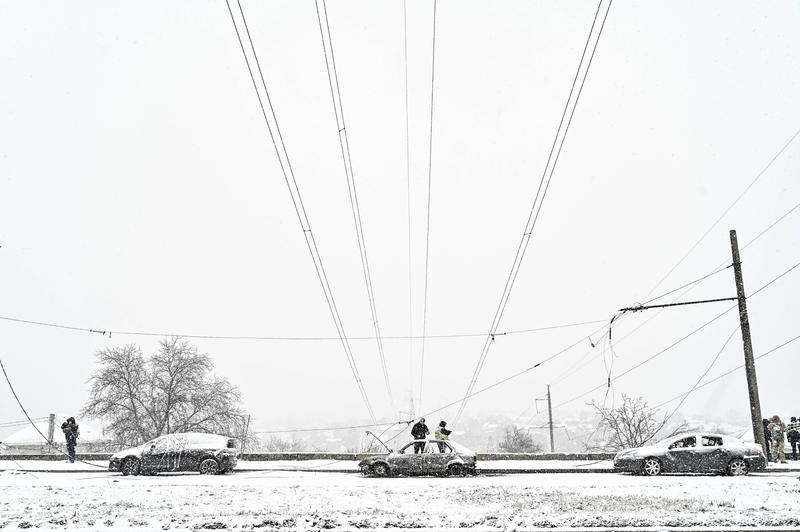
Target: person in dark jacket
{"x": 419, "y": 431}
{"x": 767, "y": 436}
{"x": 793, "y": 435}
{"x": 71, "y": 432}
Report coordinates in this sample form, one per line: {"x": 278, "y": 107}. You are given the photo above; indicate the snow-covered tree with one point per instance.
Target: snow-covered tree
{"x": 517, "y": 440}
{"x": 631, "y": 424}
{"x": 170, "y": 391}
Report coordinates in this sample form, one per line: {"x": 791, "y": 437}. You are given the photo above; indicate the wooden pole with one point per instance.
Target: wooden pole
{"x": 550, "y": 416}
{"x": 749, "y": 362}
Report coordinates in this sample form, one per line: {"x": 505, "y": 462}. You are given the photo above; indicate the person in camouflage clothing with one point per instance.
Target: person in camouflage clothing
{"x": 777, "y": 430}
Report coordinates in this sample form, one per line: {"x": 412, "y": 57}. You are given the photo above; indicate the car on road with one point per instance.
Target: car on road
{"x": 208, "y": 454}
{"x": 700, "y": 452}
{"x": 437, "y": 458}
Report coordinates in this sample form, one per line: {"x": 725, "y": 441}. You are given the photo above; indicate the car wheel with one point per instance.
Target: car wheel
{"x": 455, "y": 470}
{"x": 130, "y": 467}
{"x": 737, "y": 467}
{"x": 209, "y": 466}
{"x": 651, "y": 467}
{"x": 380, "y": 470}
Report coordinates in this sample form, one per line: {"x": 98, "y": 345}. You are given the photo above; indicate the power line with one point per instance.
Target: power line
{"x": 344, "y": 145}
{"x": 11, "y": 424}
{"x": 690, "y": 286}
{"x": 428, "y": 211}
{"x": 729, "y": 372}
{"x": 544, "y": 184}
{"x": 703, "y": 376}
{"x": 511, "y": 377}
{"x": 725, "y": 212}
{"x": 294, "y": 338}
{"x": 408, "y": 209}
{"x": 325, "y": 429}
{"x": 297, "y": 200}
{"x": 690, "y": 283}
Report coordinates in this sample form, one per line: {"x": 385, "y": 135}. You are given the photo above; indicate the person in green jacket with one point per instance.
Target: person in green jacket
{"x": 441, "y": 434}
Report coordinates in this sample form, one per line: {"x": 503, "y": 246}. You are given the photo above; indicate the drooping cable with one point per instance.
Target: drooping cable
{"x": 428, "y": 212}
{"x": 30, "y": 420}
{"x": 344, "y": 145}
{"x": 294, "y": 191}
{"x": 541, "y": 192}
{"x": 680, "y": 340}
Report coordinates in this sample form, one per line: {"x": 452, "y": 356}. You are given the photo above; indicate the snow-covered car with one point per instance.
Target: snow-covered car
{"x": 437, "y": 458}
{"x": 693, "y": 453}
{"x": 208, "y": 454}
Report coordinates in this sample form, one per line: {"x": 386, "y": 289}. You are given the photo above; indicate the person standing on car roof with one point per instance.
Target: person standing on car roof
{"x": 778, "y": 432}
{"x": 419, "y": 431}
{"x": 793, "y": 435}
{"x": 441, "y": 434}
{"x": 71, "y": 433}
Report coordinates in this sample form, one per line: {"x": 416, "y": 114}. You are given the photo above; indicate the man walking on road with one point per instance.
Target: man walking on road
{"x": 419, "y": 431}
{"x": 71, "y": 432}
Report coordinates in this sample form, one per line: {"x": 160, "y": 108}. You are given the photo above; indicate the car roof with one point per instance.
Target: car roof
{"x": 701, "y": 434}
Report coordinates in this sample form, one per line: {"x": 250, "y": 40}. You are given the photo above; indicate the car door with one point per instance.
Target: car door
{"x": 179, "y": 455}
{"x": 154, "y": 456}
{"x": 406, "y": 461}
{"x": 712, "y": 456}
{"x": 681, "y": 455}
{"x": 437, "y": 455}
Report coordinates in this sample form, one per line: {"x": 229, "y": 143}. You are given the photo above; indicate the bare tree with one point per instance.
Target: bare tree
{"x": 276, "y": 444}
{"x": 517, "y": 440}
{"x": 171, "y": 391}
{"x": 632, "y": 424}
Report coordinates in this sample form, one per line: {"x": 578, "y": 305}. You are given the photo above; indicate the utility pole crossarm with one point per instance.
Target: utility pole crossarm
{"x": 637, "y": 308}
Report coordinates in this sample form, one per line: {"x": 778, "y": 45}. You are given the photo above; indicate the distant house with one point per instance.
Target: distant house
{"x": 28, "y": 439}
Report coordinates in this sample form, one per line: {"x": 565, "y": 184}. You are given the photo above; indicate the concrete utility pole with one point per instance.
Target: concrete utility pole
{"x": 749, "y": 363}
{"x": 51, "y": 429}
{"x": 550, "y": 417}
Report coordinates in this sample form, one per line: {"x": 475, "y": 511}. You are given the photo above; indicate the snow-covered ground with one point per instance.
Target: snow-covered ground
{"x": 321, "y": 500}
{"x": 343, "y": 465}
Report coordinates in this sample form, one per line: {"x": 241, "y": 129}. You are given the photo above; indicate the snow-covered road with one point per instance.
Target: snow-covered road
{"x": 307, "y": 500}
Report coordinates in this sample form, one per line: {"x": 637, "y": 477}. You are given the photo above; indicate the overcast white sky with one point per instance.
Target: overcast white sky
{"x": 138, "y": 191}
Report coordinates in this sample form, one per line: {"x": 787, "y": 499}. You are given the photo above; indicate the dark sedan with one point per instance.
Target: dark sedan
{"x": 693, "y": 453}
{"x": 437, "y": 458}
{"x": 208, "y": 454}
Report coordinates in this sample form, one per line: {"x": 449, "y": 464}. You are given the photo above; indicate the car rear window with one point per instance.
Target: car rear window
{"x": 711, "y": 441}
{"x": 231, "y": 443}
{"x": 210, "y": 440}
